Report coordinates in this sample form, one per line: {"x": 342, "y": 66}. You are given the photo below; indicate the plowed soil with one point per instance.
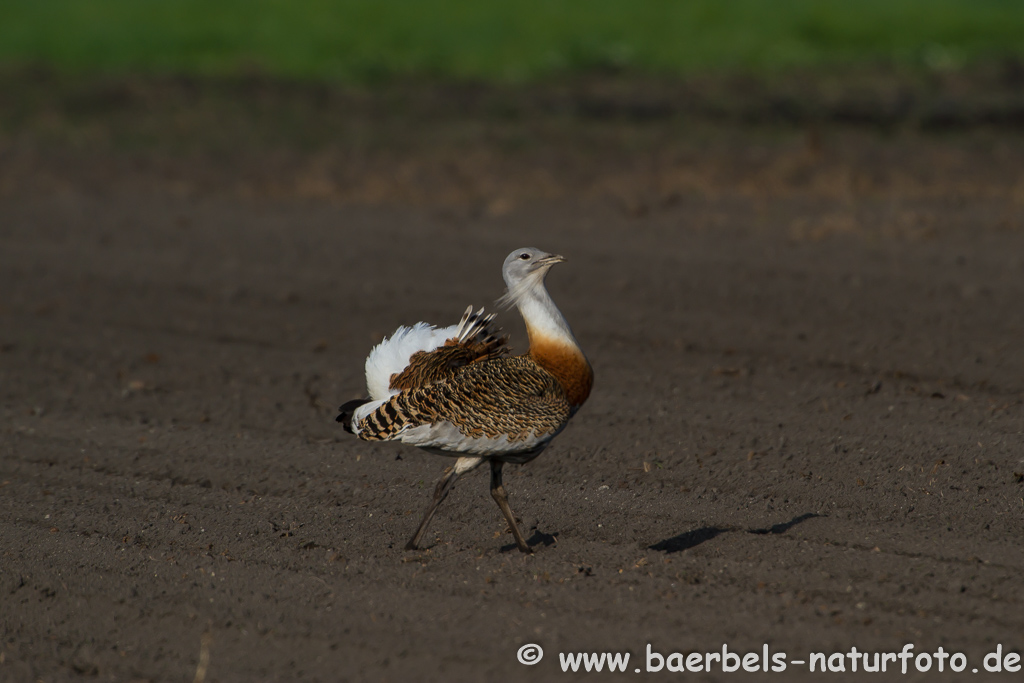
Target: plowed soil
{"x": 806, "y": 431}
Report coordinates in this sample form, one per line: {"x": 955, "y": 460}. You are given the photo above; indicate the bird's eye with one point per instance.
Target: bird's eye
{"x": 524, "y": 256}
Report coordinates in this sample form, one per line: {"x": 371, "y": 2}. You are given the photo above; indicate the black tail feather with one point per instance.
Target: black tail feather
{"x": 347, "y": 410}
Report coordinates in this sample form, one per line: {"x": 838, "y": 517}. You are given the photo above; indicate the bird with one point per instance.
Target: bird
{"x": 458, "y": 391}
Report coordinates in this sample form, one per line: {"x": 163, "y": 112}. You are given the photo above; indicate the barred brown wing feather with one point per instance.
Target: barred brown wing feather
{"x": 511, "y": 397}
{"x": 427, "y": 367}
{"x": 474, "y": 341}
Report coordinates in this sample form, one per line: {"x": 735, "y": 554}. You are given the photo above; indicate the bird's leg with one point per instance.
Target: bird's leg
{"x": 444, "y": 485}
{"x": 501, "y": 498}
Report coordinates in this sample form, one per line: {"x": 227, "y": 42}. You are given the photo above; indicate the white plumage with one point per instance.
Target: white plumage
{"x": 444, "y": 438}
{"x": 392, "y": 355}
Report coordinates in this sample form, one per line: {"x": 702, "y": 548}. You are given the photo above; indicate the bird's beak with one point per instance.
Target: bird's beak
{"x": 550, "y": 260}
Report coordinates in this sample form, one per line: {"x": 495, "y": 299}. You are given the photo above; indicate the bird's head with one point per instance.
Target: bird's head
{"x": 527, "y": 263}
{"x": 525, "y": 269}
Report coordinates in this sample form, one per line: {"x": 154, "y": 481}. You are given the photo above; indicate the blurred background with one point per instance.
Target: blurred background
{"x": 458, "y": 97}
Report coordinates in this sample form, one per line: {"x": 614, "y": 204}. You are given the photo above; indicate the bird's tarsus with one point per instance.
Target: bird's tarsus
{"x": 501, "y": 498}
{"x": 444, "y": 485}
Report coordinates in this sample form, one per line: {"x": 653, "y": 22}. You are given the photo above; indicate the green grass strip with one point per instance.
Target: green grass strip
{"x": 510, "y": 40}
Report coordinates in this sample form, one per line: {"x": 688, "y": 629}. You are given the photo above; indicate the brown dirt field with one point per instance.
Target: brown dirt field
{"x": 807, "y": 428}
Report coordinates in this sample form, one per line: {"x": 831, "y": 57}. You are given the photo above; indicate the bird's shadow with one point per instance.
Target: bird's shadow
{"x": 783, "y": 527}
{"x": 538, "y": 538}
{"x": 688, "y": 539}
{"x": 691, "y": 539}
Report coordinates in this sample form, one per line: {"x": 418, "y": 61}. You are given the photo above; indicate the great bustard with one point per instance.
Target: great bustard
{"x": 455, "y": 392}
